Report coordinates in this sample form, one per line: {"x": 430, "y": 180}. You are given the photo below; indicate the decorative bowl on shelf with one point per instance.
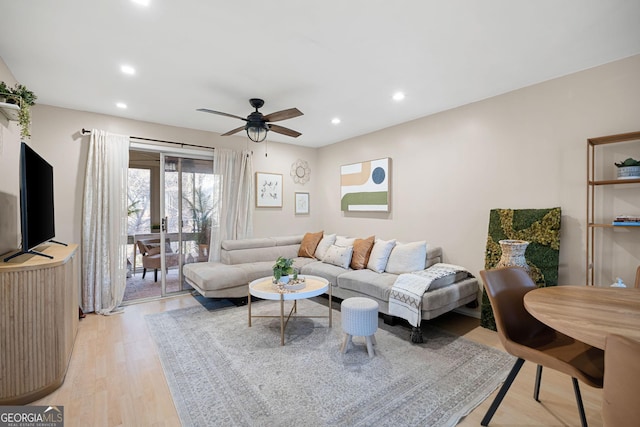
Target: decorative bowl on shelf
{"x": 629, "y": 169}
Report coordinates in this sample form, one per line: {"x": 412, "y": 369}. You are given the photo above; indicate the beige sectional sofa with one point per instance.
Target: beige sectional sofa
{"x": 245, "y": 260}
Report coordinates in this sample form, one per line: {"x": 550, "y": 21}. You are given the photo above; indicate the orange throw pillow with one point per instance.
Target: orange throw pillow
{"x": 361, "y": 251}
{"x": 309, "y": 244}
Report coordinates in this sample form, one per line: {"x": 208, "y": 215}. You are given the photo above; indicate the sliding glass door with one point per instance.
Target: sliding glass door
{"x": 188, "y": 209}
{"x": 170, "y": 210}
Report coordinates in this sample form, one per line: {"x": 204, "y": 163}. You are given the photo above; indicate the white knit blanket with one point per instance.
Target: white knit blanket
{"x": 405, "y": 300}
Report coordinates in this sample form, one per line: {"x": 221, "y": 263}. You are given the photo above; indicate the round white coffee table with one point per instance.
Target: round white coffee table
{"x": 265, "y": 289}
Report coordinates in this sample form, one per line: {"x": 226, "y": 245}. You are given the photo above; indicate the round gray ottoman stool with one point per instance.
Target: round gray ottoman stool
{"x": 360, "y": 319}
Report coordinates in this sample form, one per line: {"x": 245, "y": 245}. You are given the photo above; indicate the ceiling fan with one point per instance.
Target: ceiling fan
{"x": 258, "y": 124}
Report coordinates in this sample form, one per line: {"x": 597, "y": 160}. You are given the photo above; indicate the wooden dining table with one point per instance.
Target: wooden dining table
{"x": 587, "y": 313}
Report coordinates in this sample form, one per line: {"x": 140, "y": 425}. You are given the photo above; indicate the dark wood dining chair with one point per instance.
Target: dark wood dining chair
{"x": 525, "y": 337}
{"x": 637, "y": 285}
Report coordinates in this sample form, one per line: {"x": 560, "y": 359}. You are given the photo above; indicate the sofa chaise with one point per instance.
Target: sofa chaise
{"x": 243, "y": 261}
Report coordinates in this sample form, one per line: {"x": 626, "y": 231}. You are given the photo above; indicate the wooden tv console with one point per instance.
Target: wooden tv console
{"x": 38, "y": 322}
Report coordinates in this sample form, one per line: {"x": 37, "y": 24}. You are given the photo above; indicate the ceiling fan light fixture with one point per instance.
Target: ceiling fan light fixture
{"x": 257, "y": 132}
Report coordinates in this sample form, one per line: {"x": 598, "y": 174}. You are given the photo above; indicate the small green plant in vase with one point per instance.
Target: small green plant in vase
{"x": 282, "y": 268}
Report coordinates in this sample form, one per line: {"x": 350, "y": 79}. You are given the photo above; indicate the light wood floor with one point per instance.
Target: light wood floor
{"x": 115, "y": 377}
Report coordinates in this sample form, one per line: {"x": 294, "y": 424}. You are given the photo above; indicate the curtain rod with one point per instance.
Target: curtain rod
{"x": 182, "y": 144}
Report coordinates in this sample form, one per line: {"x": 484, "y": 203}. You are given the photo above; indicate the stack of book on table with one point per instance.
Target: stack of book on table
{"x": 627, "y": 220}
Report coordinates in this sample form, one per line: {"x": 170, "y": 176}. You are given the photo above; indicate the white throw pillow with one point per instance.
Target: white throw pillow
{"x": 407, "y": 257}
{"x": 321, "y": 249}
{"x": 344, "y": 241}
{"x": 338, "y": 255}
{"x": 380, "y": 254}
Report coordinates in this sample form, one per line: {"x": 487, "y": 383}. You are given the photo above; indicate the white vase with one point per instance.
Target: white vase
{"x": 284, "y": 279}
{"x": 513, "y": 254}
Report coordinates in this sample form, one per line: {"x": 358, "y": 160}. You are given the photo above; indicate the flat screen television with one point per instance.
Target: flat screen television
{"x": 37, "y": 220}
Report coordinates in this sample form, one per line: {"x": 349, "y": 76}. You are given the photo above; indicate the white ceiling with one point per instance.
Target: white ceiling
{"x": 331, "y": 58}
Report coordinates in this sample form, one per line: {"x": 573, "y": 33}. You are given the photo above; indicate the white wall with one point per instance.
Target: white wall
{"x": 523, "y": 149}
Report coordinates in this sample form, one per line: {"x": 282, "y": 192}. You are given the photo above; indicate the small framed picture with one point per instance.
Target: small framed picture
{"x": 268, "y": 190}
{"x": 302, "y": 203}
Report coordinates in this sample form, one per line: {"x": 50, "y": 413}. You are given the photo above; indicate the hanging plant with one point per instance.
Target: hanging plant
{"x": 4, "y": 91}
{"x": 22, "y": 96}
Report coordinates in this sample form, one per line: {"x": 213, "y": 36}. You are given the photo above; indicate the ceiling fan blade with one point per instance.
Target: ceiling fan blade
{"x": 284, "y": 131}
{"x": 231, "y": 132}
{"x": 220, "y": 113}
{"x": 282, "y": 115}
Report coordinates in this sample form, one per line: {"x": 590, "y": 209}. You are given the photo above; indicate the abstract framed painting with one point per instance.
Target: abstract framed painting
{"x": 302, "y": 203}
{"x": 364, "y": 186}
{"x": 268, "y": 190}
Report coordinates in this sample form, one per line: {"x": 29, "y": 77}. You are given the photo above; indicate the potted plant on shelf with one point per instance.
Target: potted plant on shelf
{"x": 629, "y": 169}
{"x": 4, "y": 91}
{"x": 24, "y": 98}
{"x": 282, "y": 268}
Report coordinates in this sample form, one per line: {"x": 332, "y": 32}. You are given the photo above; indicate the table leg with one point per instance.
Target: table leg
{"x": 249, "y": 306}
{"x": 281, "y": 319}
{"x": 330, "y": 309}
{"x": 135, "y": 245}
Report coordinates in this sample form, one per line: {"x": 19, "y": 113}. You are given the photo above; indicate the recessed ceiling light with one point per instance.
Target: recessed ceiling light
{"x": 335, "y": 121}
{"x": 398, "y": 96}
{"x": 128, "y": 69}
{"x": 121, "y": 105}
{"x": 142, "y": 2}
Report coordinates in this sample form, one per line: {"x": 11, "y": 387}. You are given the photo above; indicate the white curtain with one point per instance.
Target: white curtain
{"x": 104, "y": 223}
{"x": 235, "y": 194}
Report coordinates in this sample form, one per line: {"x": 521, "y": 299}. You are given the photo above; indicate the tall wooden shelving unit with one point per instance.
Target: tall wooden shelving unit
{"x": 592, "y": 183}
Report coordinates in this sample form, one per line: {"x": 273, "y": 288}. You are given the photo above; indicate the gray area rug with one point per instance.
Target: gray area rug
{"x": 223, "y": 373}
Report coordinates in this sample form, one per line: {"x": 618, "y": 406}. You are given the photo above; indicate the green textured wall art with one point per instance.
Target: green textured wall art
{"x": 540, "y": 227}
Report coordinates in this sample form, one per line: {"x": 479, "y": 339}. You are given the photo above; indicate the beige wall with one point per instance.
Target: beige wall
{"x": 56, "y": 136}
{"x": 523, "y": 149}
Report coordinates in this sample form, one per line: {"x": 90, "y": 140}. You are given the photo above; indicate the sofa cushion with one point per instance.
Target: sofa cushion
{"x": 299, "y": 262}
{"x": 309, "y": 243}
{"x": 321, "y": 249}
{"x": 321, "y": 269}
{"x": 361, "y": 251}
{"x": 214, "y": 276}
{"x": 443, "y": 297}
{"x": 287, "y": 240}
{"x": 380, "y": 254}
{"x": 407, "y": 257}
{"x": 344, "y": 241}
{"x": 367, "y": 282}
{"x": 241, "y": 256}
{"x": 338, "y": 255}
{"x": 232, "y": 245}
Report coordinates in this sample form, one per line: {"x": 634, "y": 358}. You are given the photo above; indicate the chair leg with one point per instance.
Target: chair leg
{"x": 144, "y": 272}
{"x": 576, "y": 390}
{"x": 503, "y": 391}
{"x": 155, "y": 275}
{"x": 536, "y": 390}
